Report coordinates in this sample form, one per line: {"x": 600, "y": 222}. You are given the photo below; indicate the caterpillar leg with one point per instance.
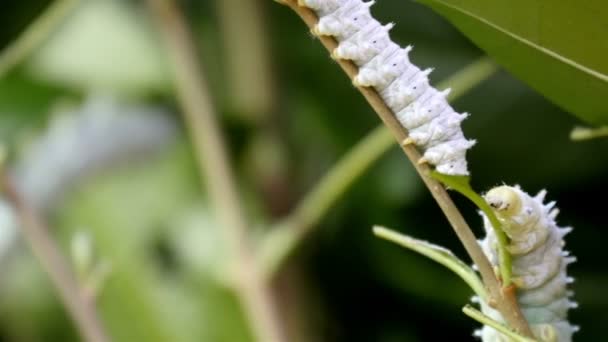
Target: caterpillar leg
{"x": 407, "y": 141}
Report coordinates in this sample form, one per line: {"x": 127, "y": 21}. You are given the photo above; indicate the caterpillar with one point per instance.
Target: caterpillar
{"x": 539, "y": 263}
{"x": 78, "y": 143}
{"x": 75, "y": 145}
{"x": 422, "y": 110}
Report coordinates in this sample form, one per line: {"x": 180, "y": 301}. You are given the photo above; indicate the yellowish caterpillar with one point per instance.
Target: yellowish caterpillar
{"x": 539, "y": 263}
{"x": 536, "y": 242}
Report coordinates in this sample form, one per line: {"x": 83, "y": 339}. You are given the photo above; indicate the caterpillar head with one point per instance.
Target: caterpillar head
{"x": 505, "y": 201}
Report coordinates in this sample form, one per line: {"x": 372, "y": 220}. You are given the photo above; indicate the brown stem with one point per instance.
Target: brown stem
{"x": 211, "y": 155}
{"x": 507, "y": 306}
{"x": 56, "y": 266}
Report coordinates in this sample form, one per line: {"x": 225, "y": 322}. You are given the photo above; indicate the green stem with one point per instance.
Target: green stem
{"x": 586, "y": 133}
{"x": 291, "y": 231}
{"x": 508, "y": 308}
{"x": 462, "y": 185}
{"x": 438, "y": 254}
{"x": 35, "y": 34}
{"x": 212, "y": 157}
{"x": 503, "y": 329}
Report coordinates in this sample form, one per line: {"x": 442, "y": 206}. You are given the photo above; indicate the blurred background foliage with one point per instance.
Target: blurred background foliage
{"x": 289, "y": 113}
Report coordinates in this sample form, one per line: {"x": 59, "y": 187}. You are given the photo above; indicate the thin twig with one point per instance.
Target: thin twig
{"x": 585, "y": 133}
{"x": 54, "y": 263}
{"x": 508, "y": 308}
{"x": 462, "y": 185}
{"x": 211, "y": 155}
{"x": 35, "y": 34}
{"x": 486, "y": 320}
{"x": 288, "y": 234}
{"x": 249, "y": 69}
{"x": 292, "y": 230}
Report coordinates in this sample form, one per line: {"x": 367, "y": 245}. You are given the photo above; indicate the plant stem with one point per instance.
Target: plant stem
{"x": 585, "y": 133}
{"x": 212, "y": 158}
{"x": 508, "y": 308}
{"x": 485, "y": 320}
{"x": 35, "y": 34}
{"x": 56, "y": 266}
{"x": 288, "y": 234}
{"x": 292, "y": 230}
{"x": 438, "y": 254}
{"x": 463, "y": 186}
{"x": 249, "y": 69}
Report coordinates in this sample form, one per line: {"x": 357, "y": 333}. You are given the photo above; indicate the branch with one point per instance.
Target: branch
{"x": 291, "y": 231}
{"x": 462, "y": 185}
{"x": 508, "y": 308}
{"x": 211, "y": 156}
{"x": 247, "y": 56}
{"x": 56, "y": 266}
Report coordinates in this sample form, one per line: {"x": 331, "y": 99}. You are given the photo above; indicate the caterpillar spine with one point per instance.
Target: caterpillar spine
{"x": 421, "y": 109}
{"x": 539, "y": 263}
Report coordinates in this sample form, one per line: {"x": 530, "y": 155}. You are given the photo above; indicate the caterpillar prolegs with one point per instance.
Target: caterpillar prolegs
{"x": 539, "y": 262}
{"x": 431, "y": 122}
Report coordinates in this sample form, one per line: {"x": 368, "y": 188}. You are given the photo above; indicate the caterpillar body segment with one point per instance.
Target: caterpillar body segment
{"x": 404, "y": 87}
{"x": 539, "y": 262}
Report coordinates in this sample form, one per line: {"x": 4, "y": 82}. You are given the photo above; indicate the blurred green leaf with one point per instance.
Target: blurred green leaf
{"x": 139, "y": 218}
{"x": 127, "y": 213}
{"x": 558, "y": 48}
{"x": 105, "y": 44}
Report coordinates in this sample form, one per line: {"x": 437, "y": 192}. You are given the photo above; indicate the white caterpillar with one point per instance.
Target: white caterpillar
{"x": 539, "y": 263}
{"x": 80, "y": 142}
{"x": 75, "y": 145}
{"x": 423, "y": 110}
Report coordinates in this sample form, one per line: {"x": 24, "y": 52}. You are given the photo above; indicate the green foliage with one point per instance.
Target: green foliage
{"x": 152, "y": 223}
{"x": 146, "y": 298}
{"x": 117, "y": 50}
{"x": 439, "y": 254}
{"x": 558, "y": 48}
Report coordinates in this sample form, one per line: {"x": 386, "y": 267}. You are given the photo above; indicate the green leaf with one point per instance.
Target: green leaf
{"x": 586, "y": 133}
{"x": 559, "y": 48}
{"x": 486, "y": 320}
{"x": 439, "y": 254}
{"x": 106, "y": 45}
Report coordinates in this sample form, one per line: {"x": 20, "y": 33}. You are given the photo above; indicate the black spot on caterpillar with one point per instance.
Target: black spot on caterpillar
{"x": 539, "y": 262}
{"x": 423, "y": 110}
